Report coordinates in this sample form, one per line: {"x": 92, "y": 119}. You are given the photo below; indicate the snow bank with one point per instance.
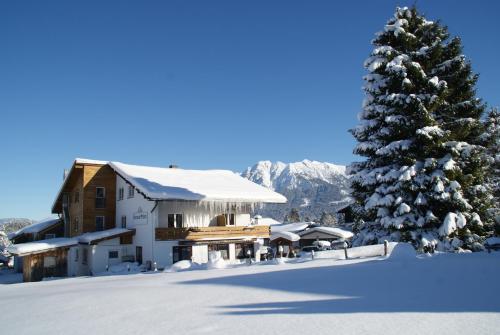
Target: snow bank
{"x": 394, "y": 251}
{"x": 180, "y": 266}
{"x": 401, "y": 251}
{"x": 197, "y": 185}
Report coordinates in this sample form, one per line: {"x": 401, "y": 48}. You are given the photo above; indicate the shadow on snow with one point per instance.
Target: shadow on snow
{"x": 439, "y": 284}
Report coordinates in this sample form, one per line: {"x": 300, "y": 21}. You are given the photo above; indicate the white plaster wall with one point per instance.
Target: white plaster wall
{"x": 196, "y": 215}
{"x": 100, "y": 254}
{"x": 163, "y": 253}
{"x": 72, "y": 262}
{"x": 144, "y": 228}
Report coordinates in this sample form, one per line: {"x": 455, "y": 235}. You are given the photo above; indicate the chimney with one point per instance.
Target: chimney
{"x": 173, "y": 166}
{"x": 65, "y": 174}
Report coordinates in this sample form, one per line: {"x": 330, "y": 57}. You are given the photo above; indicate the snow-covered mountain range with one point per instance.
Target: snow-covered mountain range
{"x": 311, "y": 187}
{"x": 10, "y": 225}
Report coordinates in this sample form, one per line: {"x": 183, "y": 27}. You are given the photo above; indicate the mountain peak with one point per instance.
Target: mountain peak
{"x": 310, "y": 186}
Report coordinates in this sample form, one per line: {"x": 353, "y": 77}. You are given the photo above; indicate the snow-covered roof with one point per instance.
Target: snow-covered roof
{"x": 285, "y": 235}
{"x": 53, "y": 243}
{"x": 88, "y": 238}
{"x": 291, "y": 227}
{"x": 328, "y": 230}
{"x": 36, "y": 227}
{"x": 90, "y": 161}
{"x": 41, "y": 246}
{"x": 266, "y": 221}
{"x": 199, "y": 185}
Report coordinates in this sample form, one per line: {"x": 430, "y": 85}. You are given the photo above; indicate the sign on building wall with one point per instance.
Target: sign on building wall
{"x": 140, "y": 217}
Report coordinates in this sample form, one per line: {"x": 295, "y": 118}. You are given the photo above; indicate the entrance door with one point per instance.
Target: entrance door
{"x": 138, "y": 255}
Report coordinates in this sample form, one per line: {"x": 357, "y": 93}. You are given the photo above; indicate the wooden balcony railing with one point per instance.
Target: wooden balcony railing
{"x": 215, "y": 232}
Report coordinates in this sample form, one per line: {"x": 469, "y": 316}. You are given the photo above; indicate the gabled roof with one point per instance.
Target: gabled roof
{"x": 36, "y": 227}
{"x": 337, "y": 232}
{"x": 78, "y": 161}
{"x": 157, "y": 183}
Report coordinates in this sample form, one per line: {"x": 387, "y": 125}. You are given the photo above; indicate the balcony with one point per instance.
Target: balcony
{"x": 211, "y": 233}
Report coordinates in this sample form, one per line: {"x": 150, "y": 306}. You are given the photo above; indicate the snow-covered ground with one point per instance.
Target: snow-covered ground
{"x": 445, "y": 294}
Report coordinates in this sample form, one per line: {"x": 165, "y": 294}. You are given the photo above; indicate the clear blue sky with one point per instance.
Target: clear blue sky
{"x": 203, "y": 84}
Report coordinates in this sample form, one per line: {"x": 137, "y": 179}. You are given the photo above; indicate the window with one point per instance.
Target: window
{"x": 178, "y": 220}
{"x": 124, "y": 221}
{"x": 230, "y": 219}
{"x": 77, "y": 196}
{"x": 181, "y": 253}
{"x": 120, "y": 193}
{"x": 76, "y": 224}
{"x": 100, "y": 197}
{"x": 174, "y": 220}
{"x": 77, "y": 252}
{"x": 130, "y": 191}
{"x": 49, "y": 236}
{"x": 112, "y": 254}
{"x": 99, "y": 223}
{"x": 49, "y": 262}
{"x": 84, "y": 256}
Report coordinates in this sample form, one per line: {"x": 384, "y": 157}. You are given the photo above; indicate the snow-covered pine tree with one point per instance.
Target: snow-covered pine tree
{"x": 419, "y": 131}
{"x": 491, "y": 139}
{"x": 328, "y": 219}
{"x": 293, "y": 216}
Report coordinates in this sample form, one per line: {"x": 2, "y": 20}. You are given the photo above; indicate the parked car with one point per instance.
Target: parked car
{"x": 310, "y": 248}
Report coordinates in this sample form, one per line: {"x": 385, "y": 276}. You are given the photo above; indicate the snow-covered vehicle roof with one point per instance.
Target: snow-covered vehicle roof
{"x": 36, "y": 227}
{"x": 328, "y": 230}
{"x": 158, "y": 183}
{"x": 285, "y": 235}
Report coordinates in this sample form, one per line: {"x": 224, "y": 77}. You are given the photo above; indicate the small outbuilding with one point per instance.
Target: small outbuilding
{"x": 330, "y": 234}
{"x": 285, "y": 239}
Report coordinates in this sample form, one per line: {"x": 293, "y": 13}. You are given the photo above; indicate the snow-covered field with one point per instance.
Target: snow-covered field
{"x": 445, "y": 294}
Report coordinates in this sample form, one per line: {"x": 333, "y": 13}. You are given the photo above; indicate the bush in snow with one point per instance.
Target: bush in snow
{"x": 422, "y": 180}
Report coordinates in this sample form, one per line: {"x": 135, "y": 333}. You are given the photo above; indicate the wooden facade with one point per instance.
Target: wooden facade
{"x": 211, "y": 233}
{"x": 80, "y": 187}
{"x": 53, "y": 263}
{"x": 98, "y": 176}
